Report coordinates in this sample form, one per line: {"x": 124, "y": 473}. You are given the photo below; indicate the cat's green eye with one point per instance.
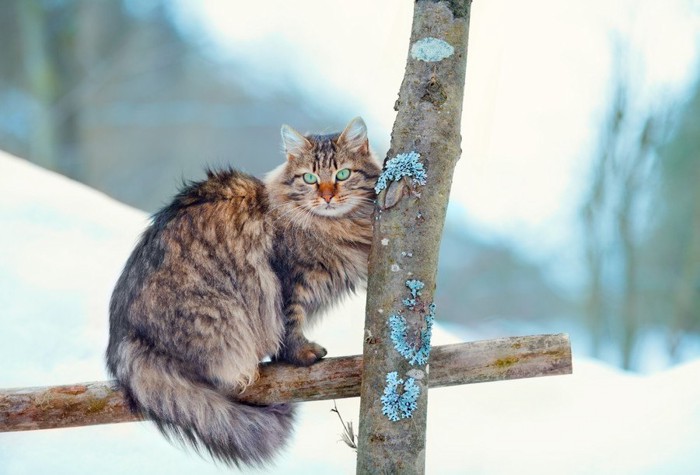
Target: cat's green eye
{"x": 343, "y": 174}
{"x": 310, "y": 178}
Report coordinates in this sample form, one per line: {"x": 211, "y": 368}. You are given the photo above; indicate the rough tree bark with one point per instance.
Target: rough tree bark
{"x": 408, "y": 227}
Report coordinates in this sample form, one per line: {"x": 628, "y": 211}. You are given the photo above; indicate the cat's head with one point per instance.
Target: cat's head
{"x": 325, "y": 175}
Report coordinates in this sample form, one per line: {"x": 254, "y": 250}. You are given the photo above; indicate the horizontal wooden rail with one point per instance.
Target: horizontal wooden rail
{"x": 332, "y": 378}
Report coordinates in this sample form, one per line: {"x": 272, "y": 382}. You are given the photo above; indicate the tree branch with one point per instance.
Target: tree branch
{"x": 331, "y": 378}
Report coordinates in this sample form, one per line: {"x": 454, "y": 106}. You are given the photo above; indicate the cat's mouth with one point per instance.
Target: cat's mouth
{"x": 331, "y": 209}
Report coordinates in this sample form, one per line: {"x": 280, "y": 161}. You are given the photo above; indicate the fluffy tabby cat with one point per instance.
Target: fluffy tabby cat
{"x": 229, "y": 273}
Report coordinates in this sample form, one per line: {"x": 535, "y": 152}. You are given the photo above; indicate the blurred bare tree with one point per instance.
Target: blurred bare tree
{"x": 640, "y": 219}
{"x": 673, "y": 249}
{"x": 48, "y": 67}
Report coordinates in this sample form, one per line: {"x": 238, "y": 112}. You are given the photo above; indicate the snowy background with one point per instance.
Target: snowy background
{"x": 146, "y": 92}
{"x": 61, "y": 251}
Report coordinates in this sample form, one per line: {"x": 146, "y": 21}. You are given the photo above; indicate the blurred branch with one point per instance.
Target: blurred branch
{"x": 618, "y": 203}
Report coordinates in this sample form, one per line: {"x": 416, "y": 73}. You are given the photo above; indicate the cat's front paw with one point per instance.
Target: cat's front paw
{"x": 306, "y": 354}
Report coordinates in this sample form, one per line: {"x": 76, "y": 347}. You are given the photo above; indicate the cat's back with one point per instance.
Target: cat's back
{"x": 244, "y": 195}
{"x": 210, "y": 244}
{"x": 199, "y": 279}
{"x": 222, "y": 221}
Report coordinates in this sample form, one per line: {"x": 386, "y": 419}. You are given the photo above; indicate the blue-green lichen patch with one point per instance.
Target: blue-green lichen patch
{"x": 414, "y": 354}
{"x": 431, "y": 50}
{"x": 402, "y": 165}
{"x": 415, "y": 286}
{"x": 400, "y": 397}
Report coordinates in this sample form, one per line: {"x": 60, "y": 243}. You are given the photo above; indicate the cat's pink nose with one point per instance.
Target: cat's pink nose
{"x": 326, "y": 191}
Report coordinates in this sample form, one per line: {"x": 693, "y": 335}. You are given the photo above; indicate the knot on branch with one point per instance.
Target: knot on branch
{"x": 459, "y": 8}
{"x": 434, "y": 93}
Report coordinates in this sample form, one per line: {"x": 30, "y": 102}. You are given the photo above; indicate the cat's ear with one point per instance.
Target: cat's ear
{"x": 354, "y": 137}
{"x": 294, "y": 143}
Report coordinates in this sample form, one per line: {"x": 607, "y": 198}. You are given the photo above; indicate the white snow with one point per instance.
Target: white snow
{"x": 62, "y": 246}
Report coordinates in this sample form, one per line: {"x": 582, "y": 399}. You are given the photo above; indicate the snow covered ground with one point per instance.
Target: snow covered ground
{"x": 62, "y": 246}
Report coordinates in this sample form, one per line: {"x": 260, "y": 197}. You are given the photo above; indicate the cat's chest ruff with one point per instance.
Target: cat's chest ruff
{"x": 326, "y": 262}
{"x": 339, "y": 258}
{"x": 355, "y": 262}
{"x": 326, "y": 276}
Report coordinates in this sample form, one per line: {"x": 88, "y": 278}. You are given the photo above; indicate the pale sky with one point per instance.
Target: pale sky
{"x": 538, "y": 74}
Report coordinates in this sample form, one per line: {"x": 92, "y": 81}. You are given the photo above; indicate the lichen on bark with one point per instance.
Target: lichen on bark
{"x": 411, "y": 217}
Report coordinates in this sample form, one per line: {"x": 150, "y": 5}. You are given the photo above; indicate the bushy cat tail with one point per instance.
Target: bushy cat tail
{"x": 206, "y": 419}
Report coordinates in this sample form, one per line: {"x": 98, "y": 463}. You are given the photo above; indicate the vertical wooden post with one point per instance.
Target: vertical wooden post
{"x": 409, "y": 218}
